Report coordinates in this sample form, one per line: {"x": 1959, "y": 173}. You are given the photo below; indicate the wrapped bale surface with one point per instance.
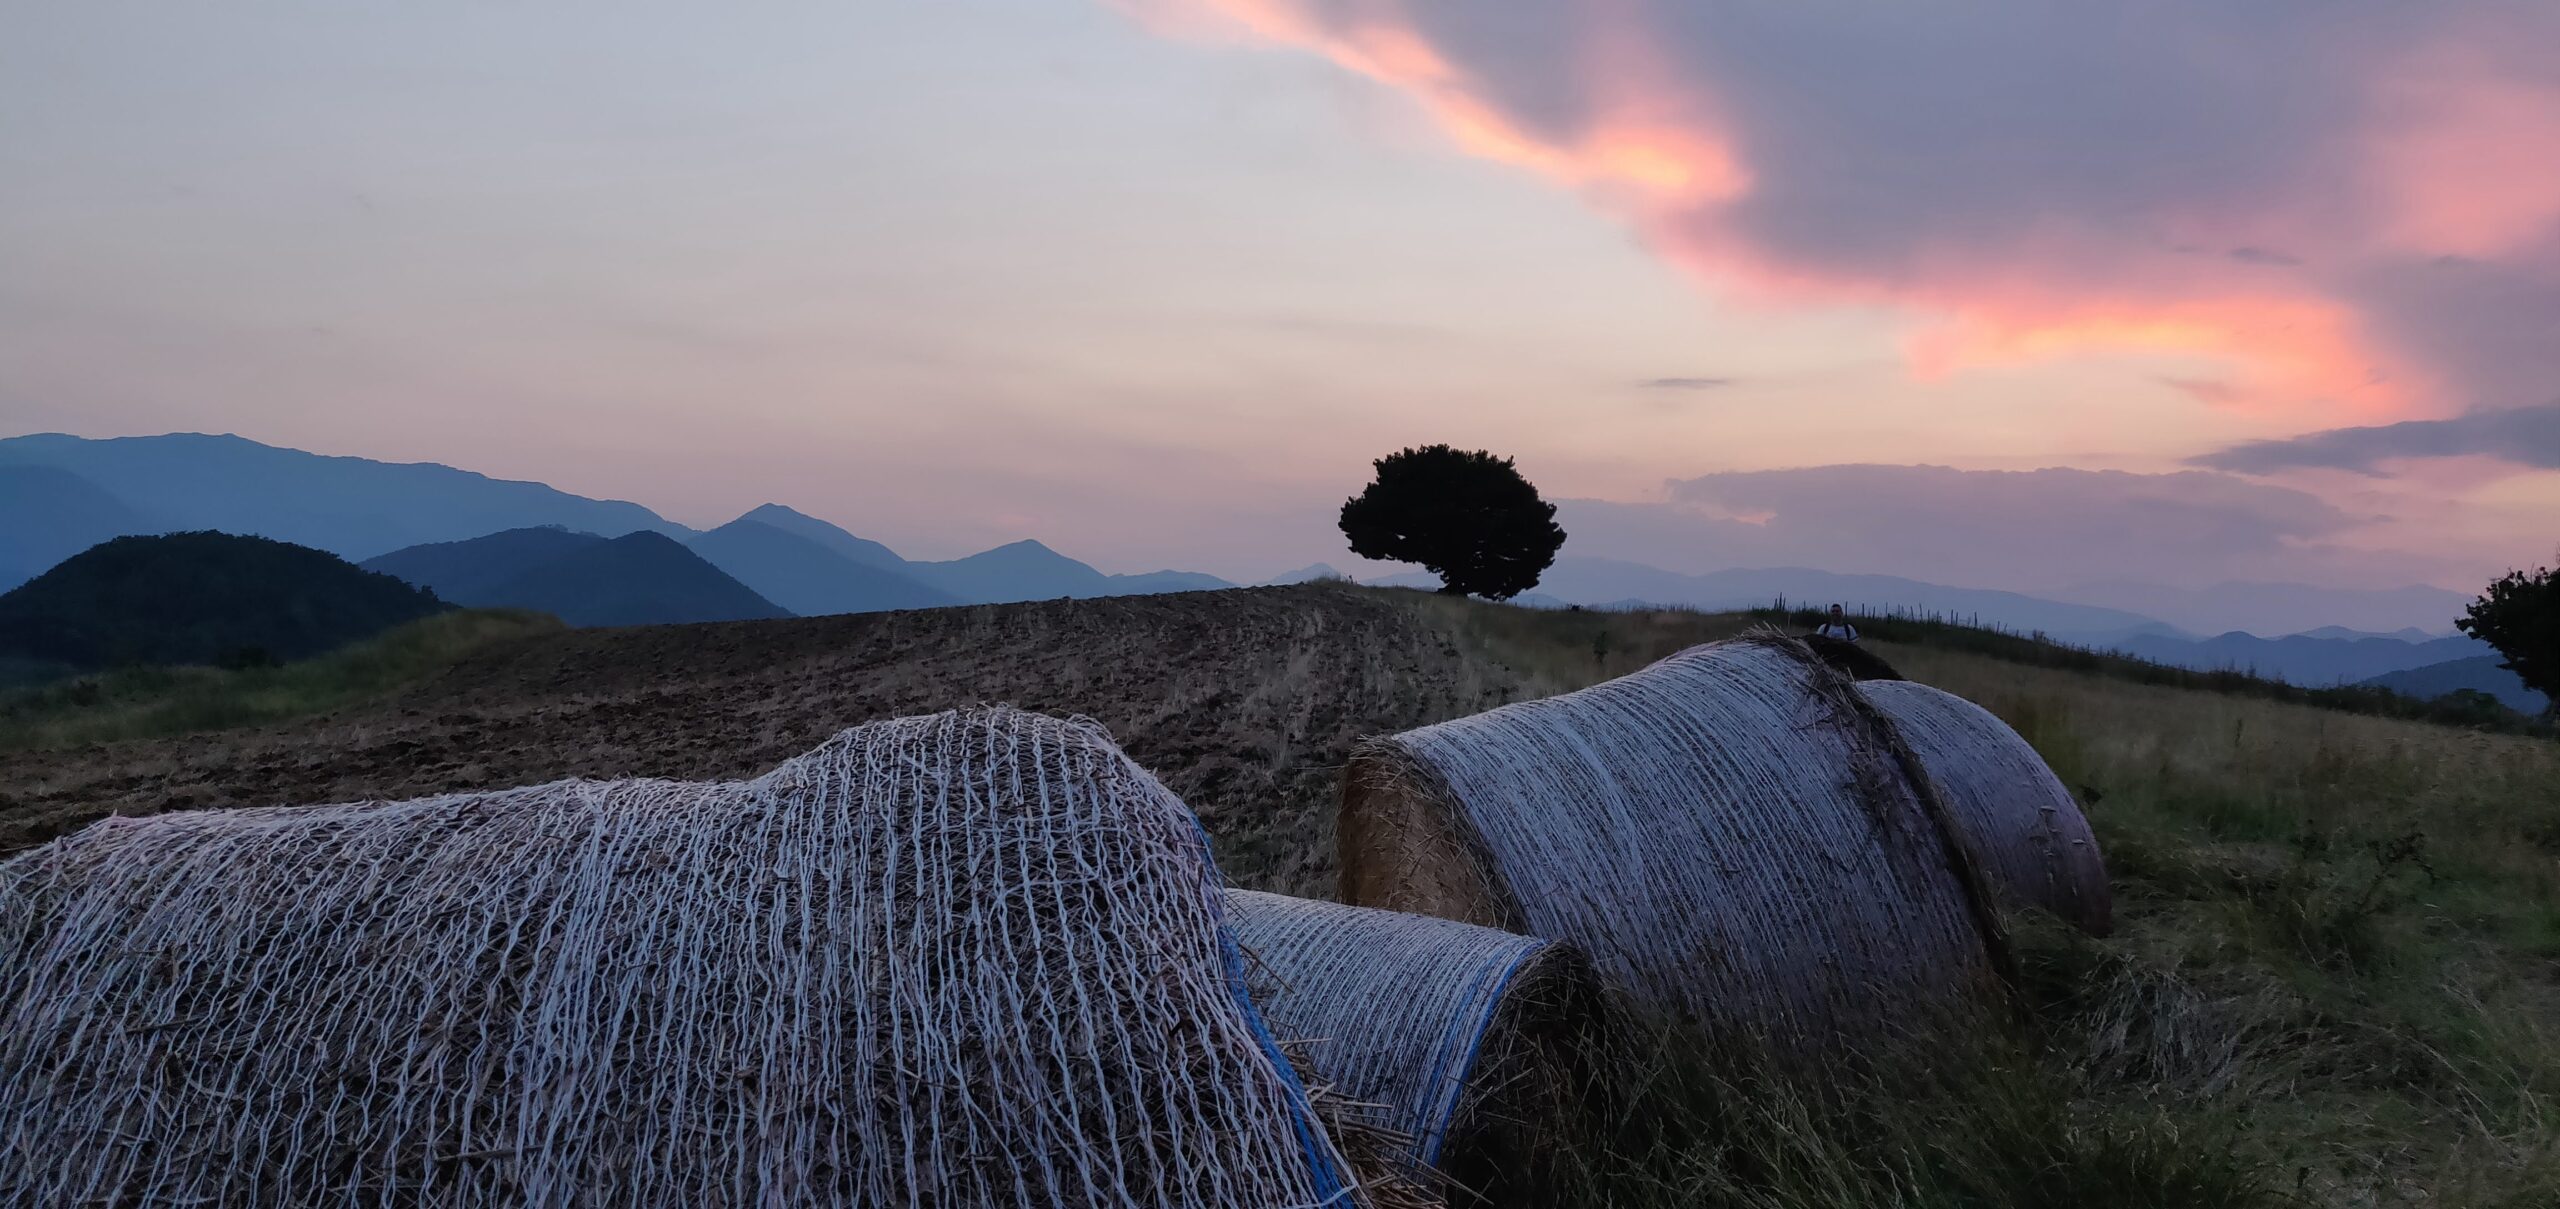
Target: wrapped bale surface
{"x": 965, "y": 959}
{"x": 2027, "y": 833}
{"x": 1475, "y": 1045}
{"x": 1733, "y": 835}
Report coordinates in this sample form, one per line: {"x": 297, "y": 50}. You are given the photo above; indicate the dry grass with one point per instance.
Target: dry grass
{"x": 2333, "y": 980}
{"x": 152, "y": 702}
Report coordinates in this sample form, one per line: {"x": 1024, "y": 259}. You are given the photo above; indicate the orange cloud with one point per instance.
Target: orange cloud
{"x": 2453, "y": 166}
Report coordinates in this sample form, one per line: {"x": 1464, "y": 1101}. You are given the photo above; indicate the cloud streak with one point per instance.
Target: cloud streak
{"x": 2527, "y": 436}
{"x": 2025, "y": 530}
{"x": 2030, "y": 187}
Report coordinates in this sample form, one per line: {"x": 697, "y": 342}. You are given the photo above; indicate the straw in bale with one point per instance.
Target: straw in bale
{"x": 1733, "y": 834}
{"x": 2028, "y": 834}
{"x": 967, "y": 959}
{"x": 1476, "y": 1046}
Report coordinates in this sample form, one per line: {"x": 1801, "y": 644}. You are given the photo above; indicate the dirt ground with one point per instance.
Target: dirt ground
{"x": 1244, "y": 702}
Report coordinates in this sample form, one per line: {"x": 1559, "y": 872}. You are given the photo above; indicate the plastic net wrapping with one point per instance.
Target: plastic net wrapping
{"x": 967, "y": 959}
{"x": 1732, "y": 834}
{"x": 2027, "y": 833}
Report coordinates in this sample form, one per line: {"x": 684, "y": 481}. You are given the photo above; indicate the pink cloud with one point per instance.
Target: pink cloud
{"x": 2100, "y": 179}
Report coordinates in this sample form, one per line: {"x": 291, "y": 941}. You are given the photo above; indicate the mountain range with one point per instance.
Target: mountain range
{"x": 480, "y": 540}
{"x": 639, "y": 578}
{"x": 2481, "y": 674}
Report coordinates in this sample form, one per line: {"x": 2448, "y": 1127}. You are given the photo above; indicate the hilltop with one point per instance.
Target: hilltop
{"x": 199, "y": 598}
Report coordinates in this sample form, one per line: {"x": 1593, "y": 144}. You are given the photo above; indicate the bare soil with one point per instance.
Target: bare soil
{"x": 1245, "y": 702}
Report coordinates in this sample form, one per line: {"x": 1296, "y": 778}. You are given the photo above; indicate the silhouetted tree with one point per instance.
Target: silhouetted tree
{"x": 1466, "y": 516}
{"x": 2520, "y": 615}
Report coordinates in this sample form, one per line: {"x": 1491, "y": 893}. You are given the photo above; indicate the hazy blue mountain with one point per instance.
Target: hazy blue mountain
{"x": 802, "y": 525}
{"x": 1027, "y": 570}
{"x": 1024, "y": 570}
{"x": 2480, "y": 674}
{"x": 808, "y": 578}
{"x": 2275, "y": 609}
{"x": 2300, "y": 658}
{"x": 199, "y": 598}
{"x": 1306, "y": 574}
{"x": 1605, "y": 581}
{"x": 1150, "y": 583}
{"x": 467, "y": 571}
{"x": 354, "y": 507}
{"x": 48, "y": 514}
{"x": 637, "y": 579}
{"x": 2409, "y": 634}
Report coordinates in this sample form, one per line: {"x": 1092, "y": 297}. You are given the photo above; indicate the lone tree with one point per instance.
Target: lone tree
{"x": 1466, "y": 516}
{"x": 2520, "y": 615}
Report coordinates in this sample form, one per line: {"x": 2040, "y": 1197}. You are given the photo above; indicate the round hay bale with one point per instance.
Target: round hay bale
{"x": 1475, "y": 1047}
{"x": 967, "y": 959}
{"x": 2027, "y": 833}
{"x": 1733, "y": 834}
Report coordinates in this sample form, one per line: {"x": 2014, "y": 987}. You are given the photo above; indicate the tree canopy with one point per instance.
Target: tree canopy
{"x": 200, "y": 598}
{"x": 2519, "y": 614}
{"x": 1466, "y": 516}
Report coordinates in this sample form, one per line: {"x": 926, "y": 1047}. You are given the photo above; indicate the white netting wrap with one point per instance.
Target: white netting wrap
{"x": 2028, "y": 834}
{"x": 1729, "y": 833}
{"x": 1392, "y": 1009}
{"x": 971, "y": 959}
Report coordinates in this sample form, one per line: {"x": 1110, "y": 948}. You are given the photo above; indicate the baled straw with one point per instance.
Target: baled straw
{"x": 1733, "y": 835}
{"x": 1470, "y": 1043}
{"x": 2033, "y": 843}
{"x": 966, "y": 959}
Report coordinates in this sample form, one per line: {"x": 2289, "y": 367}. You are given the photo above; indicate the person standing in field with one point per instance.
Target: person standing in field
{"x": 1837, "y": 626}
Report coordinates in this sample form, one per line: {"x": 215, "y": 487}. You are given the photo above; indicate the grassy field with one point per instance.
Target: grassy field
{"x": 153, "y": 702}
{"x": 2335, "y": 979}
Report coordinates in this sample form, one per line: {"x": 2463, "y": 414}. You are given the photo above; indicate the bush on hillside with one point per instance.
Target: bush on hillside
{"x": 2520, "y": 615}
{"x": 1466, "y": 516}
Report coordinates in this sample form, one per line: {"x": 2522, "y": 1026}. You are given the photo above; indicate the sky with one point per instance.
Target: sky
{"x": 2179, "y": 291}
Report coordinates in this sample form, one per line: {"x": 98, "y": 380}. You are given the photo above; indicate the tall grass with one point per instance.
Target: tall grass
{"x": 147, "y": 702}
{"x": 2335, "y": 979}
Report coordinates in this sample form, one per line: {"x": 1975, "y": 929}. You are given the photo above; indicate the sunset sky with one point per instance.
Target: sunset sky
{"x": 2001, "y": 295}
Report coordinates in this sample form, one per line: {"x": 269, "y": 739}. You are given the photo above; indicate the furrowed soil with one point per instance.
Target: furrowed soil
{"x": 1245, "y": 703}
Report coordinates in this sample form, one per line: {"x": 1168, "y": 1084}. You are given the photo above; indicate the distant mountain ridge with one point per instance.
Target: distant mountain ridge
{"x": 2313, "y": 662}
{"x": 61, "y": 494}
{"x": 2275, "y": 609}
{"x": 807, "y": 577}
{"x": 641, "y": 578}
{"x": 802, "y": 525}
{"x": 2482, "y": 674}
{"x": 53, "y": 514}
{"x": 352, "y": 507}
{"x": 468, "y": 571}
{"x": 1607, "y": 581}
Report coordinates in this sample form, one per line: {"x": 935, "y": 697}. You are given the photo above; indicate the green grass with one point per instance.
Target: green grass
{"x": 149, "y": 702}
{"x": 2332, "y": 981}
